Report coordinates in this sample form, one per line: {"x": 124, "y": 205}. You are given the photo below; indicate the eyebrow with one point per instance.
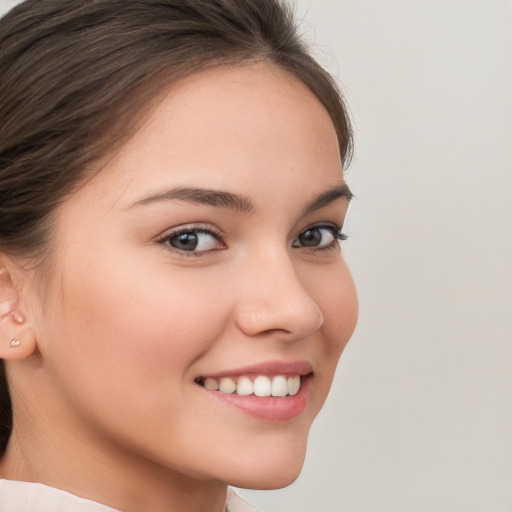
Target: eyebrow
{"x": 237, "y": 202}
{"x": 216, "y": 198}
{"x": 323, "y": 199}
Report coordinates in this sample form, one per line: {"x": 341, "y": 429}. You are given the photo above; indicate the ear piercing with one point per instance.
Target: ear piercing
{"x": 18, "y": 317}
{"x": 15, "y": 342}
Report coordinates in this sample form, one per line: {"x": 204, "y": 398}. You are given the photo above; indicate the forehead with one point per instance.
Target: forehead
{"x": 232, "y": 126}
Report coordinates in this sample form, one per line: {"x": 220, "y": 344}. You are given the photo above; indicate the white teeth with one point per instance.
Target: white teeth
{"x": 227, "y": 385}
{"x": 293, "y": 385}
{"x": 244, "y": 386}
{"x": 279, "y": 386}
{"x": 262, "y": 386}
{"x": 211, "y": 384}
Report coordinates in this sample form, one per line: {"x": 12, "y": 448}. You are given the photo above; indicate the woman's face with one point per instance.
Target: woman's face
{"x": 204, "y": 254}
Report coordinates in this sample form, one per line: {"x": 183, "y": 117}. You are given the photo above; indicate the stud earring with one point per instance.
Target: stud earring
{"x": 15, "y": 342}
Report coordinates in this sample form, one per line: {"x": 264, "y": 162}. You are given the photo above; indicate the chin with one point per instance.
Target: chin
{"x": 269, "y": 481}
{"x": 273, "y": 482}
{"x": 275, "y": 472}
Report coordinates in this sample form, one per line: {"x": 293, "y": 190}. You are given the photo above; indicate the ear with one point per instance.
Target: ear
{"x": 17, "y": 339}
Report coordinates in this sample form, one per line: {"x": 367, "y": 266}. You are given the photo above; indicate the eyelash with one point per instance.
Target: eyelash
{"x": 190, "y": 229}
{"x": 338, "y": 236}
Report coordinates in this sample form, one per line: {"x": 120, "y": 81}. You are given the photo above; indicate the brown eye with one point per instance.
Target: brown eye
{"x": 318, "y": 237}
{"x": 193, "y": 241}
{"x": 311, "y": 237}
{"x": 185, "y": 241}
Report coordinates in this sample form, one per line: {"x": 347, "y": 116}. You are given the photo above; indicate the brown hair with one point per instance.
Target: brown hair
{"x": 75, "y": 75}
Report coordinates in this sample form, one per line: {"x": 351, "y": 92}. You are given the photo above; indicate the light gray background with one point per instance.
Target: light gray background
{"x": 420, "y": 416}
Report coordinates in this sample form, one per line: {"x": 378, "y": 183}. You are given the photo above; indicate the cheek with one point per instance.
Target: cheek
{"x": 337, "y": 300}
{"x": 128, "y": 325}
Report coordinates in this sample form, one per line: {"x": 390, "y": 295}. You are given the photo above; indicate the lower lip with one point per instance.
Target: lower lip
{"x": 271, "y": 408}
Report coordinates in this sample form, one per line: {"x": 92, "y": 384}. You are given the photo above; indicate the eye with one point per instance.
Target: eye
{"x": 194, "y": 240}
{"x": 319, "y": 237}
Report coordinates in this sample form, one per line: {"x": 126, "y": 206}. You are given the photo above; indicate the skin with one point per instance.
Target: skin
{"x": 103, "y": 384}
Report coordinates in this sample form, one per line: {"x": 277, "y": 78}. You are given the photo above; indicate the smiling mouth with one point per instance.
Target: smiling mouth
{"x": 258, "y": 385}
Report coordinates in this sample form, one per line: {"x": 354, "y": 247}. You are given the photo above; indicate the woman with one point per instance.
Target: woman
{"x": 172, "y": 294}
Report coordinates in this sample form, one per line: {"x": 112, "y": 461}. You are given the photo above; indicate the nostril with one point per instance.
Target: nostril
{"x": 269, "y": 333}
{"x": 275, "y": 301}
{"x": 296, "y": 318}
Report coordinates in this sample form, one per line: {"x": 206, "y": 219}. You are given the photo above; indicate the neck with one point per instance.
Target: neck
{"x": 100, "y": 471}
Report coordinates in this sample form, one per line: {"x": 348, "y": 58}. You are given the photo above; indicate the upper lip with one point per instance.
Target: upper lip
{"x": 266, "y": 368}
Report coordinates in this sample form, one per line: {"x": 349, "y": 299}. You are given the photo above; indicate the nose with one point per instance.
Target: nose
{"x": 275, "y": 301}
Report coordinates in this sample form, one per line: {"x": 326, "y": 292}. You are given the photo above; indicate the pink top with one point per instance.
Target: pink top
{"x": 31, "y": 497}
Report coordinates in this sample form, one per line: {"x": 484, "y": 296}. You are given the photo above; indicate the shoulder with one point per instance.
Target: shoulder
{"x": 236, "y": 504}
{"x": 32, "y": 497}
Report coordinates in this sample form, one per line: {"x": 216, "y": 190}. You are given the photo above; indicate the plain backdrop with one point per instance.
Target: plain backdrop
{"x": 420, "y": 415}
